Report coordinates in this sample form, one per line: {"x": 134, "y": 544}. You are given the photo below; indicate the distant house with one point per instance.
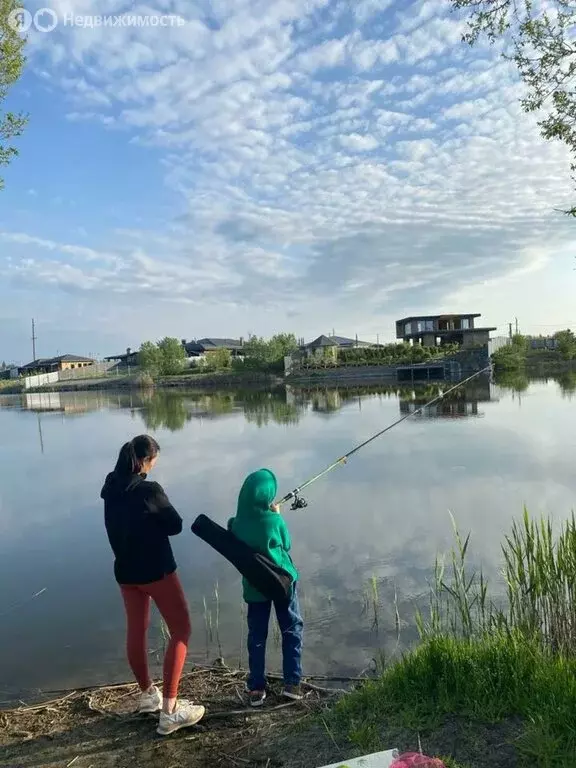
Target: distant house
{"x": 437, "y": 330}
{"x": 10, "y": 372}
{"x": 543, "y": 342}
{"x": 127, "y": 358}
{"x": 337, "y": 342}
{"x": 327, "y": 346}
{"x": 202, "y": 347}
{"x": 52, "y": 364}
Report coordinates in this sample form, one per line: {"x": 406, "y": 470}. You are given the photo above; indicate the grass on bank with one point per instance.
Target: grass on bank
{"x": 485, "y": 660}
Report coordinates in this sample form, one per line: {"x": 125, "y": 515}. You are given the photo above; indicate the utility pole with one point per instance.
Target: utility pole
{"x": 34, "y": 337}
{"x": 516, "y": 319}
{"x": 510, "y": 331}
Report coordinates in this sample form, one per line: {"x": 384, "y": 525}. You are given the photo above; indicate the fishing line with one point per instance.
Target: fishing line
{"x": 300, "y": 503}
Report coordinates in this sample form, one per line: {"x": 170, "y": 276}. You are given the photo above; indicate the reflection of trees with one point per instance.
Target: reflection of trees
{"x": 165, "y": 409}
{"x": 219, "y": 403}
{"x": 262, "y": 407}
{"x": 284, "y": 405}
{"x": 567, "y": 383}
{"x": 515, "y": 380}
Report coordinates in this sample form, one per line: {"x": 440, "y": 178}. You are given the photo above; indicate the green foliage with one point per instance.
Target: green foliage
{"x": 393, "y": 354}
{"x": 268, "y": 355}
{"x": 219, "y": 360}
{"x": 566, "y": 344}
{"x": 11, "y": 64}
{"x": 520, "y": 342}
{"x": 167, "y": 358}
{"x": 543, "y": 50}
{"x": 540, "y": 575}
{"x": 489, "y": 660}
{"x": 488, "y": 680}
{"x": 173, "y": 356}
{"x": 150, "y": 358}
{"x": 511, "y": 357}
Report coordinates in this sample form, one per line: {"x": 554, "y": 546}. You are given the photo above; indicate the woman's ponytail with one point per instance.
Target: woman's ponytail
{"x": 127, "y": 461}
{"x": 133, "y": 454}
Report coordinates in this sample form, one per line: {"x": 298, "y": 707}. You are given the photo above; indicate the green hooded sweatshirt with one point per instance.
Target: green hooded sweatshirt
{"x": 262, "y": 529}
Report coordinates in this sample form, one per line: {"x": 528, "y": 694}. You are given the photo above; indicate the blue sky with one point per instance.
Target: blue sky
{"x": 274, "y": 165}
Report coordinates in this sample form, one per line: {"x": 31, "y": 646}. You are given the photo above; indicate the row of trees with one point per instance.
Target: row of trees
{"x": 515, "y": 355}
{"x": 168, "y": 357}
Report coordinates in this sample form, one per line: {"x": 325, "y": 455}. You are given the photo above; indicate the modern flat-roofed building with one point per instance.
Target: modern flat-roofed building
{"x": 437, "y": 330}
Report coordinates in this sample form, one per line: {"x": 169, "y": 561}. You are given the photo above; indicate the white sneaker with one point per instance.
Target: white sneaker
{"x": 150, "y": 701}
{"x": 185, "y": 715}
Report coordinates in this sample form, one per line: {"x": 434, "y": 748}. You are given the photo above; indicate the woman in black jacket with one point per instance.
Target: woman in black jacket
{"x": 139, "y": 520}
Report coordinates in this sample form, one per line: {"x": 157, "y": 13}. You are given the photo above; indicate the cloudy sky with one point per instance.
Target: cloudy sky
{"x": 274, "y": 165}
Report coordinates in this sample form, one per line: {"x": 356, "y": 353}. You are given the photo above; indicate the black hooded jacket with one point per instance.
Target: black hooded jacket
{"x": 139, "y": 519}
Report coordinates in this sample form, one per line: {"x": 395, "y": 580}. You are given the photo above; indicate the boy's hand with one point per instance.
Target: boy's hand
{"x": 275, "y": 508}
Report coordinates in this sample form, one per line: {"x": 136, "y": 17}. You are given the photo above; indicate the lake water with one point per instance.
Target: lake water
{"x": 379, "y": 521}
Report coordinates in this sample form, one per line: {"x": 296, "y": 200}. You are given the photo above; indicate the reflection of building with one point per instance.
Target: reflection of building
{"x": 459, "y": 404}
{"x": 437, "y": 330}
{"x": 326, "y": 400}
{"x": 445, "y": 409}
{"x": 53, "y": 401}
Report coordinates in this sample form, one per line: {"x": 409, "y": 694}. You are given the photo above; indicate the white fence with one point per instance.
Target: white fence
{"x": 41, "y": 380}
{"x": 89, "y": 371}
{"x": 497, "y": 343}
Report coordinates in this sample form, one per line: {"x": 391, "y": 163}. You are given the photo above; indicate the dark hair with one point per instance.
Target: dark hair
{"x": 133, "y": 454}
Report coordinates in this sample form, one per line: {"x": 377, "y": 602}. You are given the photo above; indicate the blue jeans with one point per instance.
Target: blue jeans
{"x": 291, "y": 626}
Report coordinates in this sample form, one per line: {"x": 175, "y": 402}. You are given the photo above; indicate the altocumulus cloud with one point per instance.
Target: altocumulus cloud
{"x": 362, "y": 157}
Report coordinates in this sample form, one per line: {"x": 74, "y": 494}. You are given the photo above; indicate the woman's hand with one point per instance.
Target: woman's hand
{"x": 275, "y": 508}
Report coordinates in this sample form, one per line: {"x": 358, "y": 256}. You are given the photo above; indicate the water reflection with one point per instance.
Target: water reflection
{"x": 372, "y": 528}
{"x": 462, "y": 403}
{"x": 286, "y": 406}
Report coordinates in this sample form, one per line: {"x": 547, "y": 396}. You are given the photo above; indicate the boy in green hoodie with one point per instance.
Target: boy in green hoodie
{"x": 259, "y": 524}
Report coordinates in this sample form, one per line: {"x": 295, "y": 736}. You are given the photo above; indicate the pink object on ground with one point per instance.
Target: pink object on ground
{"x": 416, "y": 760}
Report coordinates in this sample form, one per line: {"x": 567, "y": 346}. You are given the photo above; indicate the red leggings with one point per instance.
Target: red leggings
{"x": 171, "y": 602}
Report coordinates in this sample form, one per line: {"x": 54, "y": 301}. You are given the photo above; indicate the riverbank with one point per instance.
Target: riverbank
{"x": 136, "y": 382}
{"x": 98, "y": 727}
{"x": 491, "y": 704}
{"x": 487, "y": 687}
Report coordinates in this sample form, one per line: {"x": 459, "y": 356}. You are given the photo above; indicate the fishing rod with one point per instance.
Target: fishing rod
{"x": 295, "y": 496}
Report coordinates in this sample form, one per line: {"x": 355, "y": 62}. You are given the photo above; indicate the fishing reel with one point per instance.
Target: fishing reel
{"x": 298, "y": 503}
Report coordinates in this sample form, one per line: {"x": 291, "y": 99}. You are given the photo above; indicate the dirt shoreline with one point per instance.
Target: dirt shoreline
{"x": 98, "y": 728}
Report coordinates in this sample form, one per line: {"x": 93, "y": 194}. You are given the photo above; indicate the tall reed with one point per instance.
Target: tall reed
{"x": 538, "y": 599}
{"x": 540, "y": 573}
